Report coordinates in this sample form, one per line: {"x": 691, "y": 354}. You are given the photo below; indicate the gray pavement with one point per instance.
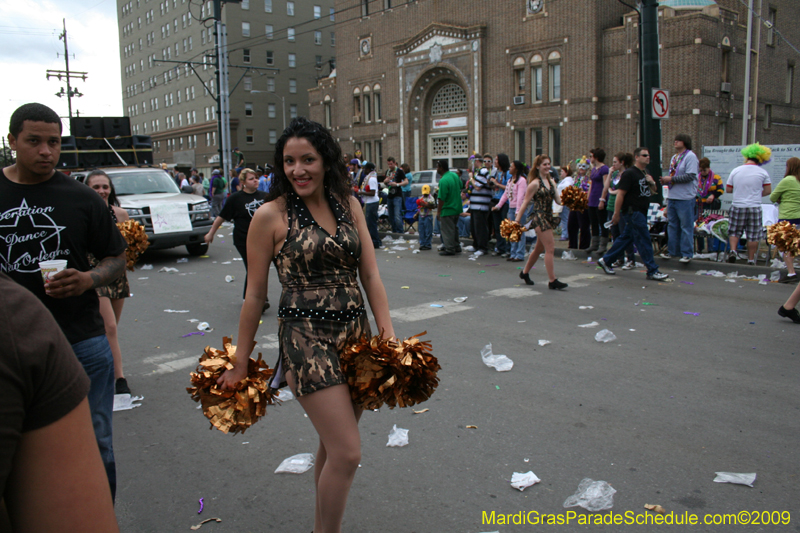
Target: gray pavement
{"x": 655, "y": 413}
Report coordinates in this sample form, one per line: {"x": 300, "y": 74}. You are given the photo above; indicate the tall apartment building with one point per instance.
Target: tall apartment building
{"x": 422, "y": 80}
{"x": 277, "y": 51}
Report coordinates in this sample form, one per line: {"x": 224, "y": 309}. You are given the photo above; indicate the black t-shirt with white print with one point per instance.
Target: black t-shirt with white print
{"x": 637, "y": 190}
{"x": 57, "y": 219}
{"x": 240, "y": 207}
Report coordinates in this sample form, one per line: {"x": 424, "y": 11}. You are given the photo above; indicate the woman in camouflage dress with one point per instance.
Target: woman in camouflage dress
{"x": 542, "y": 190}
{"x": 319, "y": 260}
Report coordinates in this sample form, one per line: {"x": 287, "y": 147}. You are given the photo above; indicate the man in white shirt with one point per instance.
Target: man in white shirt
{"x": 748, "y": 183}
{"x": 369, "y": 192}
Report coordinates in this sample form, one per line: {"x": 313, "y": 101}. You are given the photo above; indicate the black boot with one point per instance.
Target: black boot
{"x": 526, "y": 277}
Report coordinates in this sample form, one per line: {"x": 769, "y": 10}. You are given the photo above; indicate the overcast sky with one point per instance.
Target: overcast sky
{"x": 29, "y": 33}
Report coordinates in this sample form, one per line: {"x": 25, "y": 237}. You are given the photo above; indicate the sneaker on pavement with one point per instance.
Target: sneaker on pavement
{"x": 685, "y": 259}
{"x": 629, "y": 265}
{"x": 664, "y": 256}
{"x": 445, "y": 252}
{"x": 424, "y": 247}
{"x": 441, "y": 247}
{"x": 616, "y": 264}
{"x": 469, "y": 248}
{"x": 557, "y": 285}
{"x": 732, "y": 257}
{"x": 607, "y": 269}
{"x": 658, "y": 276}
{"x": 790, "y": 278}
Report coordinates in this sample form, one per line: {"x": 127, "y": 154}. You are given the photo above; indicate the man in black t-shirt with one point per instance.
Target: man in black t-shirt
{"x": 240, "y": 208}
{"x": 395, "y": 178}
{"x": 633, "y": 199}
{"x": 45, "y": 215}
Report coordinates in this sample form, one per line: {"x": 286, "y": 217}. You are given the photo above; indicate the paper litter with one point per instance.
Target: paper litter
{"x": 168, "y": 269}
{"x": 543, "y": 342}
{"x": 204, "y": 326}
{"x": 522, "y": 481}
{"x": 605, "y": 335}
{"x": 146, "y": 267}
{"x": 592, "y": 495}
{"x": 182, "y": 260}
{"x": 125, "y": 402}
{"x": 501, "y": 363}
{"x": 589, "y": 325}
{"x": 176, "y": 310}
{"x": 397, "y": 437}
{"x": 229, "y": 279}
{"x": 739, "y": 479}
{"x": 296, "y": 464}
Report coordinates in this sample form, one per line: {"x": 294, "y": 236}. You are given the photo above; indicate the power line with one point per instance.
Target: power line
{"x": 770, "y": 26}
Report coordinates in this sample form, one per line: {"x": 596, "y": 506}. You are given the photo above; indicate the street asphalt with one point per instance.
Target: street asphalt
{"x": 655, "y": 413}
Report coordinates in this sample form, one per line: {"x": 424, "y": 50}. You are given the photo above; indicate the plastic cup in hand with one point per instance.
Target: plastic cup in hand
{"x": 48, "y": 268}
{"x": 607, "y": 224}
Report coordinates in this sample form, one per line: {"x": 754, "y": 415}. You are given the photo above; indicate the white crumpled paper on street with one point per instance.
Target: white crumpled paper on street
{"x": 731, "y": 477}
{"x": 124, "y": 402}
{"x": 398, "y": 437}
{"x": 296, "y": 464}
{"x": 501, "y": 363}
{"x": 522, "y": 481}
{"x": 592, "y": 495}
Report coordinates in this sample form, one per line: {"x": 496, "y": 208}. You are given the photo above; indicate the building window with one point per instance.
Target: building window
{"x": 368, "y": 151}
{"x": 318, "y": 38}
{"x": 290, "y": 34}
{"x": 245, "y": 4}
{"x": 767, "y": 116}
{"x": 292, "y": 110}
{"x": 387, "y": 4}
{"x": 773, "y": 14}
{"x": 555, "y": 82}
{"x": 317, "y": 12}
{"x": 364, "y": 8}
{"x": 268, "y": 31}
{"x": 721, "y": 139}
{"x": 292, "y": 60}
{"x": 332, "y": 15}
{"x": 246, "y": 55}
{"x": 726, "y": 66}
{"x": 267, "y": 6}
{"x": 554, "y": 146}
{"x": 536, "y": 79}
{"x": 273, "y": 136}
{"x": 357, "y": 105}
{"x": 519, "y": 77}
{"x": 519, "y": 146}
{"x": 270, "y": 110}
{"x": 270, "y": 57}
{"x": 249, "y": 138}
{"x": 293, "y": 86}
{"x": 248, "y": 83}
{"x": 290, "y": 8}
{"x": 789, "y": 83}
{"x": 245, "y": 29}
{"x": 271, "y": 85}
{"x": 450, "y": 99}
{"x": 367, "y": 105}
{"x": 538, "y": 141}
{"x": 376, "y": 100}
{"x": 248, "y": 109}
{"x": 378, "y": 151}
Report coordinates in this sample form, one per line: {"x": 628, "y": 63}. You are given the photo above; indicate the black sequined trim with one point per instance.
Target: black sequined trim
{"x": 346, "y": 315}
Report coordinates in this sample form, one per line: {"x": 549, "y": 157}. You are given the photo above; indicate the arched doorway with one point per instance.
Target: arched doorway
{"x": 448, "y": 137}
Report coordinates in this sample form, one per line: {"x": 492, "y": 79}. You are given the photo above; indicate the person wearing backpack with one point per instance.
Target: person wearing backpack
{"x": 218, "y": 188}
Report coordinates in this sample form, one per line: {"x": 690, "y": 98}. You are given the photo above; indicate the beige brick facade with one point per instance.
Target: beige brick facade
{"x": 447, "y": 73}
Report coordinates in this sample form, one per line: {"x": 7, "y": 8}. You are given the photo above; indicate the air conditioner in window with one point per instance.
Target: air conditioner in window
{"x": 356, "y": 119}
{"x": 519, "y": 100}
{"x": 725, "y": 87}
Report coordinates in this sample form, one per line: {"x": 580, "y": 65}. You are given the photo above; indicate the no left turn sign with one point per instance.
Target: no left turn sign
{"x": 660, "y": 103}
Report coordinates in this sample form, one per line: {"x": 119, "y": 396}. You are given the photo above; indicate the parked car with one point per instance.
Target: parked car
{"x": 431, "y": 177}
{"x": 181, "y": 219}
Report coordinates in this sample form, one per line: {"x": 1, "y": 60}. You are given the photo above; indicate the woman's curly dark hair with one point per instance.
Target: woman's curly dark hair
{"x": 336, "y": 180}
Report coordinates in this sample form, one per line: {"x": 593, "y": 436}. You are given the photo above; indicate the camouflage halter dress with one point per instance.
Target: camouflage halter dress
{"x": 321, "y": 305}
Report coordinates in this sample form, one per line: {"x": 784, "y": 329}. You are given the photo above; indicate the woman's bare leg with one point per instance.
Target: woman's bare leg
{"x": 546, "y": 238}
{"x": 110, "y": 322}
{"x": 335, "y": 418}
{"x": 534, "y": 256}
{"x": 791, "y": 303}
{"x": 789, "y": 259}
{"x": 116, "y": 304}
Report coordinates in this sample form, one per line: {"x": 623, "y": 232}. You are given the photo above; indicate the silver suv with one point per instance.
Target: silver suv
{"x": 431, "y": 177}
{"x": 146, "y": 193}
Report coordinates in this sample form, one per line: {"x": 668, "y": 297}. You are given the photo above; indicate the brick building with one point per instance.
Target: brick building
{"x": 277, "y": 51}
{"x": 430, "y": 79}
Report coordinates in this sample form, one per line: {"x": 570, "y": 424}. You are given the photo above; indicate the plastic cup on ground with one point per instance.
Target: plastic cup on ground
{"x": 48, "y": 268}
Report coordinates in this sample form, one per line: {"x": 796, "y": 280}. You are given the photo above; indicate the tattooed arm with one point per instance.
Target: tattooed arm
{"x": 71, "y": 282}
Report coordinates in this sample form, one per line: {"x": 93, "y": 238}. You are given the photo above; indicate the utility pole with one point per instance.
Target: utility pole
{"x": 650, "y": 76}
{"x": 70, "y": 92}
{"x": 749, "y": 52}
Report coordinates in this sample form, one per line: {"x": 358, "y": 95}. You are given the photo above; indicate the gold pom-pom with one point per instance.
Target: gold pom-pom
{"x": 575, "y": 198}
{"x": 136, "y": 238}
{"x": 383, "y": 371}
{"x": 511, "y": 231}
{"x": 785, "y": 237}
{"x": 237, "y": 409}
